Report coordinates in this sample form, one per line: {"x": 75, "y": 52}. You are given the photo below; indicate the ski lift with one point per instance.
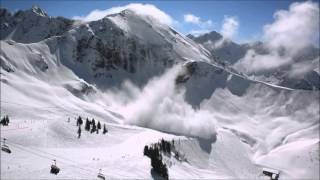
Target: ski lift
{"x": 272, "y": 173}
{"x": 100, "y": 175}
{"x": 5, "y": 147}
{"x": 54, "y": 168}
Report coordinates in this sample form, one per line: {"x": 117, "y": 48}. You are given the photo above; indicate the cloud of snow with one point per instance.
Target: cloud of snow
{"x": 291, "y": 32}
{"x": 253, "y": 62}
{"x": 141, "y": 9}
{"x": 159, "y": 105}
{"x": 299, "y": 69}
{"x": 294, "y": 29}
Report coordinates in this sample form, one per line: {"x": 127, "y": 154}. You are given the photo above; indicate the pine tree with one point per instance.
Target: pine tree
{"x": 93, "y": 128}
{"x": 79, "y": 132}
{"x": 105, "y": 130}
{"x": 98, "y": 127}
{"x": 146, "y": 151}
{"x": 2, "y": 121}
{"x": 7, "y": 120}
{"x": 87, "y": 125}
{"x": 79, "y": 121}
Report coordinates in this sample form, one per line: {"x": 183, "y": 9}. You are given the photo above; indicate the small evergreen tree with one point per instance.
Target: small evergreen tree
{"x": 79, "y": 121}
{"x": 79, "y": 132}
{"x": 146, "y": 151}
{"x": 105, "y": 130}
{"x": 87, "y": 125}
{"x": 94, "y": 127}
{"x": 7, "y": 120}
{"x": 99, "y": 125}
{"x": 2, "y": 121}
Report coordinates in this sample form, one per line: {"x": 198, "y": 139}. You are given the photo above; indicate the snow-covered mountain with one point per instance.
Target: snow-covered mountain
{"x": 230, "y": 53}
{"x": 119, "y": 46}
{"x": 144, "y": 81}
{"x": 32, "y": 25}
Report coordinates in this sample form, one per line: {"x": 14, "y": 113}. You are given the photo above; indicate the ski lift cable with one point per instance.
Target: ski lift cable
{"x": 42, "y": 156}
{"x": 46, "y": 157}
{"x": 55, "y": 156}
{"x": 35, "y": 149}
{"x": 23, "y": 149}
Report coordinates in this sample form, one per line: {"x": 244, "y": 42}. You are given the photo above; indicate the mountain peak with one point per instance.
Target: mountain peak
{"x": 37, "y": 10}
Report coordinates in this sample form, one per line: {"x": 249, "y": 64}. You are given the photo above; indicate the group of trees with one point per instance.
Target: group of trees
{"x": 165, "y": 146}
{"x": 5, "y": 121}
{"x": 90, "y": 126}
{"x": 156, "y": 151}
{"x": 153, "y": 152}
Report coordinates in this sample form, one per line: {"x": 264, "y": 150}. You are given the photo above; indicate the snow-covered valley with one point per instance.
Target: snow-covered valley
{"x": 145, "y": 82}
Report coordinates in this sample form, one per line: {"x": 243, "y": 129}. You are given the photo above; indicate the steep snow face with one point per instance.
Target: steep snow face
{"x": 152, "y": 32}
{"x": 270, "y": 119}
{"x": 123, "y": 46}
{"x": 31, "y": 25}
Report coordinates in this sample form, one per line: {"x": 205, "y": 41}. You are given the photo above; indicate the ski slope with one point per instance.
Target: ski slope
{"x": 226, "y": 125}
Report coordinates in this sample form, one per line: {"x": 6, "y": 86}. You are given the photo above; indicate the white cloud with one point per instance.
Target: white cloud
{"x": 291, "y": 32}
{"x": 253, "y": 62}
{"x": 299, "y": 69}
{"x": 230, "y": 27}
{"x": 203, "y": 26}
{"x": 190, "y": 18}
{"x": 294, "y": 29}
{"x": 141, "y": 9}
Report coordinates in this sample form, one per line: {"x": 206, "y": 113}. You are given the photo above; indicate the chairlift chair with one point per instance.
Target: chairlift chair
{"x": 100, "y": 175}
{"x": 272, "y": 173}
{"x": 54, "y": 168}
{"x": 5, "y": 147}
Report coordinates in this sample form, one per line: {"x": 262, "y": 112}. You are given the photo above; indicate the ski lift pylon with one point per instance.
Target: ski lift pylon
{"x": 5, "y": 147}
{"x": 54, "y": 168}
{"x": 100, "y": 175}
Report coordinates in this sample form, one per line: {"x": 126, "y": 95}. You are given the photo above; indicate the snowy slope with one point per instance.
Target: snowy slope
{"x": 268, "y": 118}
{"x": 145, "y": 81}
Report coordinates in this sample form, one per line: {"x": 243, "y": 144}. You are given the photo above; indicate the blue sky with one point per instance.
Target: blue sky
{"x": 251, "y": 16}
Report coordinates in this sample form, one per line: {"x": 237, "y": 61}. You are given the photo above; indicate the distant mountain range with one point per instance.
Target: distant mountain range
{"x": 229, "y": 53}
